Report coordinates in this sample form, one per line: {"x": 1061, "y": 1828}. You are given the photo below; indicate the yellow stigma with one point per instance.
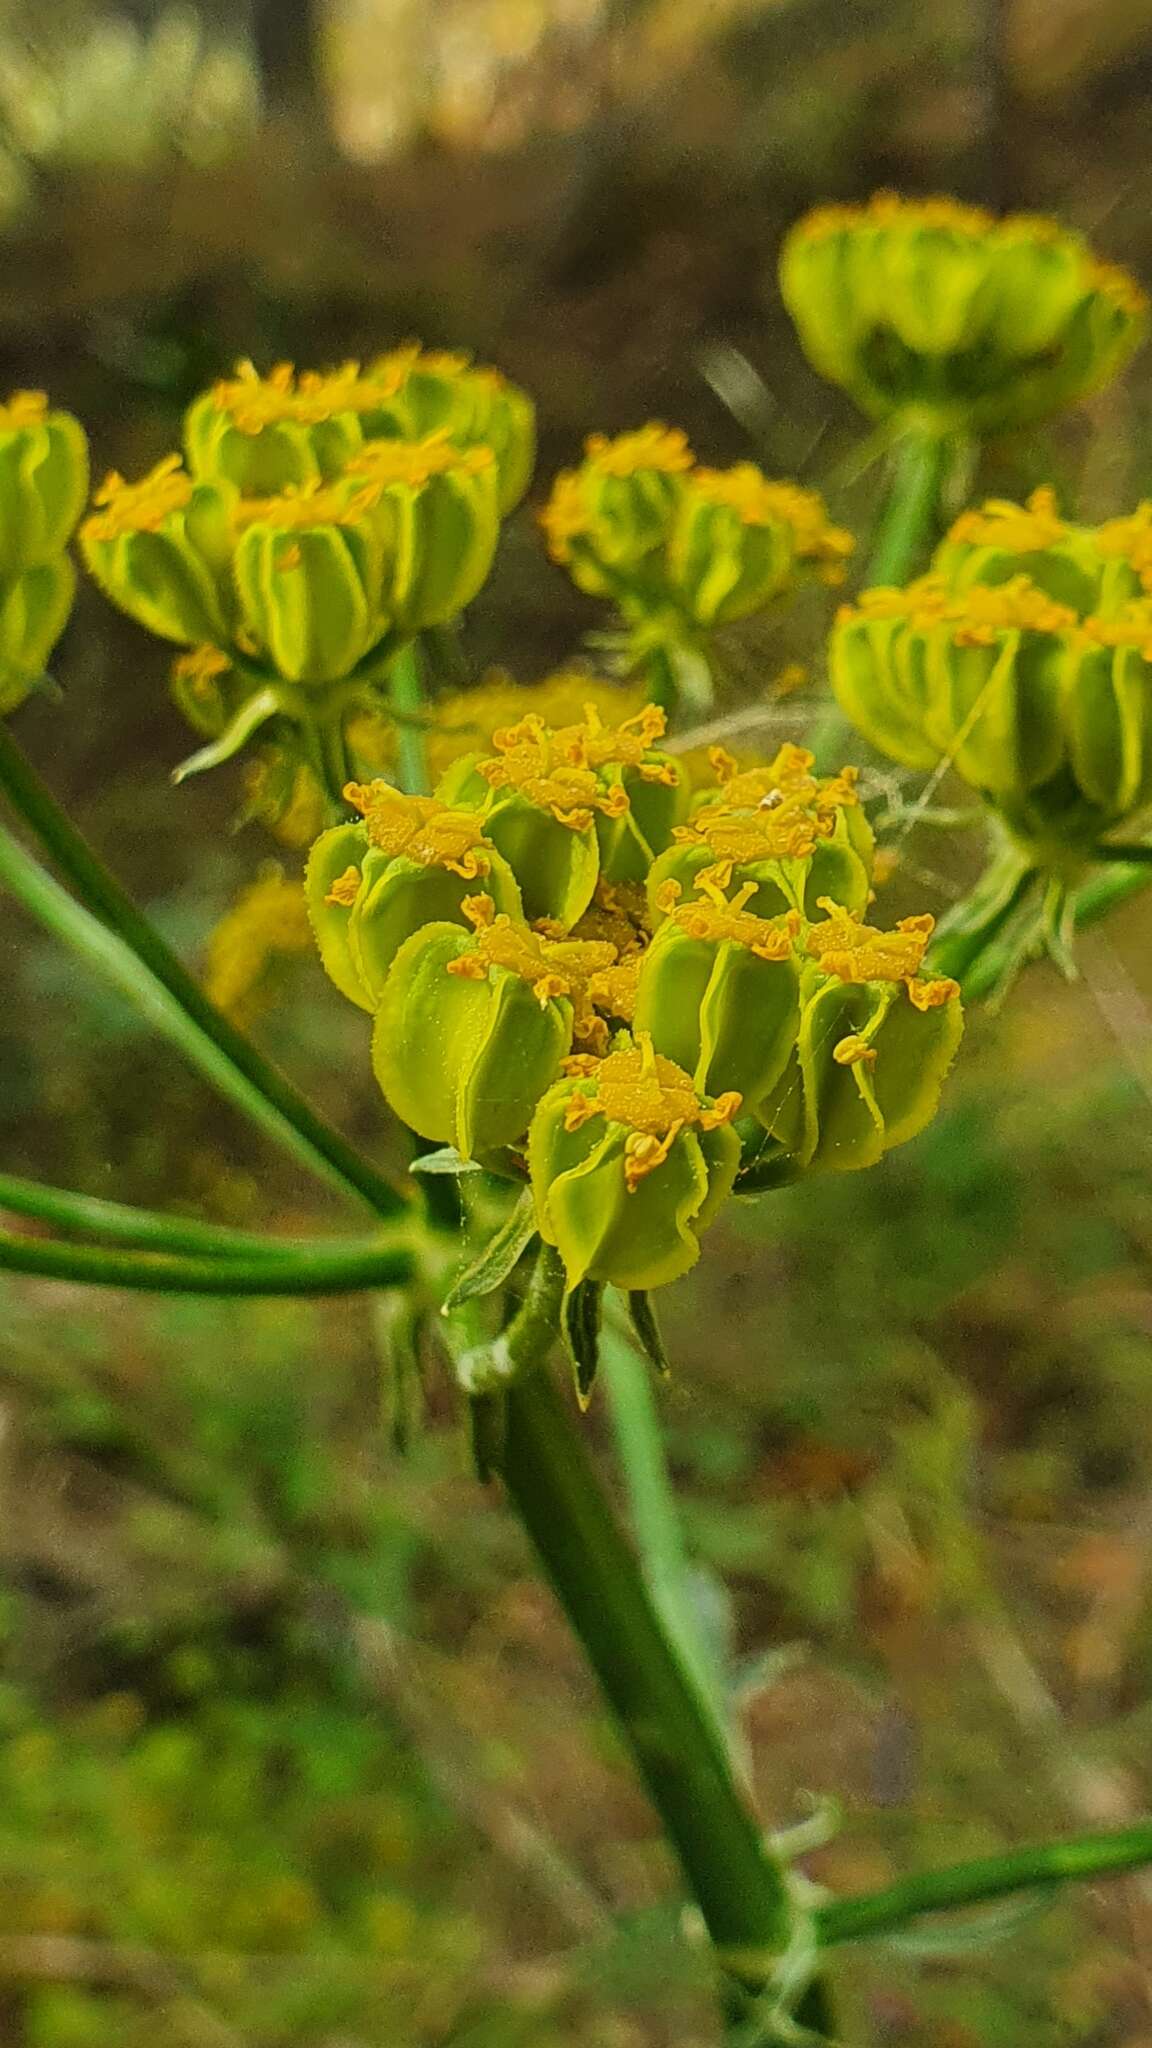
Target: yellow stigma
{"x": 775, "y": 812}
{"x": 539, "y": 764}
{"x": 141, "y": 507}
{"x": 413, "y": 462}
{"x": 974, "y": 618}
{"x": 24, "y": 409}
{"x": 345, "y": 889}
{"x": 1020, "y": 529}
{"x": 422, "y": 829}
{"x": 719, "y": 919}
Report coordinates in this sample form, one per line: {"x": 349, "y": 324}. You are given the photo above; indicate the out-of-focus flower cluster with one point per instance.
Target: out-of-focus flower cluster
{"x": 312, "y": 527}
{"x": 680, "y": 549}
{"x": 43, "y": 485}
{"x": 582, "y": 971}
{"x": 1024, "y": 659}
{"x": 938, "y": 311}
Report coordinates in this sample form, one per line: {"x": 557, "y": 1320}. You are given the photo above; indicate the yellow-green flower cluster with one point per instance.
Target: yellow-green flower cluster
{"x": 43, "y": 485}
{"x": 1024, "y": 659}
{"x": 944, "y": 312}
{"x": 678, "y": 548}
{"x": 314, "y": 524}
{"x": 580, "y": 973}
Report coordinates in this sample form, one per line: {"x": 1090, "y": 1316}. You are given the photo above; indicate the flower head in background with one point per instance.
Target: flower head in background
{"x": 932, "y": 310}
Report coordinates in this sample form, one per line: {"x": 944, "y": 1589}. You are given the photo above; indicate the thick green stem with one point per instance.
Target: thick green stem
{"x": 921, "y": 460}
{"x": 406, "y": 690}
{"x": 655, "y": 1521}
{"x": 743, "y": 1892}
{"x": 138, "y": 961}
{"x": 1037, "y": 1868}
{"x": 907, "y": 530}
{"x": 151, "y": 1229}
{"x": 307, "y": 1272}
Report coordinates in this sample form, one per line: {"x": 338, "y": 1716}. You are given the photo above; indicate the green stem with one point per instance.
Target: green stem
{"x": 150, "y": 1229}
{"x": 743, "y": 1892}
{"x": 306, "y": 1272}
{"x": 655, "y": 1522}
{"x": 137, "y": 959}
{"x": 920, "y": 461}
{"x": 406, "y": 690}
{"x": 1037, "y": 1868}
{"x": 1136, "y": 855}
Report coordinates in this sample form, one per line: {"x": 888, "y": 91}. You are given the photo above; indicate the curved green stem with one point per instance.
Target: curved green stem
{"x": 305, "y": 1272}
{"x": 118, "y": 940}
{"x": 1036, "y": 1868}
{"x": 743, "y": 1891}
{"x": 406, "y": 691}
{"x": 151, "y": 1229}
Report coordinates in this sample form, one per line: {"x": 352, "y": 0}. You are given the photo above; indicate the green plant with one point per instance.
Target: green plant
{"x": 611, "y": 991}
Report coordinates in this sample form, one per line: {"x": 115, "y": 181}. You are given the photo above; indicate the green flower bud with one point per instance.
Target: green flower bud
{"x": 308, "y": 568}
{"x": 608, "y": 520}
{"x": 719, "y": 992}
{"x": 540, "y": 809}
{"x": 33, "y": 614}
{"x": 873, "y": 1049}
{"x": 161, "y": 549}
{"x": 411, "y": 394}
{"x": 207, "y": 690}
{"x": 371, "y": 886}
{"x": 472, "y": 1029}
{"x": 266, "y": 434}
{"x": 436, "y": 510}
{"x": 43, "y": 481}
{"x": 738, "y": 538}
{"x": 1047, "y": 714}
{"x": 792, "y": 834}
{"x": 938, "y": 309}
{"x": 629, "y": 1164}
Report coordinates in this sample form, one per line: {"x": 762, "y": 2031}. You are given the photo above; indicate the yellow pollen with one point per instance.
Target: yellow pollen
{"x": 652, "y": 1097}
{"x": 345, "y": 889}
{"x": 307, "y": 505}
{"x": 974, "y": 618}
{"x": 422, "y": 829}
{"x": 548, "y": 768}
{"x": 652, "y": 447}
{"x": 932, "y": 995}
{"x": 141, "y": 507}
{"x": 414, "y": 462}
{"x": 858, "y": 952}
{"x": 764, "y": 501}
{"x": 720, "y": 920}
{"x": 1021, "y": 529}
{"x": 252, "y": 402}
{"x": 552, "y": 968}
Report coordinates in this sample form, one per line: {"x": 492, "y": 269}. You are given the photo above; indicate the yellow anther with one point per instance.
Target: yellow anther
{"x": 413, "y": 462}
{"x": 854, "y": 1051}
{"x": 859, "y": 952}
{"x": 24, "y": 409}
{"x": 1021, "y": 529}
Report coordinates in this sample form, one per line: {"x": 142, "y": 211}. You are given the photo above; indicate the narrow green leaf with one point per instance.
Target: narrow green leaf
{"x": 500, "y": 1255}
{"x": 647, "y": 1330}
{"x": 580, "y": 1327}
{"x": 253, "y": 713}
{"x": 446, "y": 1160}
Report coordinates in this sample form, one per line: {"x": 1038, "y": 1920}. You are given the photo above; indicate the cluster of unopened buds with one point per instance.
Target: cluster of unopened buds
{"x": 43, "y": 485}
{"x": 680, "y": 549}
{"x": 312, "y": 527}
{"x": 636, "y": 995}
